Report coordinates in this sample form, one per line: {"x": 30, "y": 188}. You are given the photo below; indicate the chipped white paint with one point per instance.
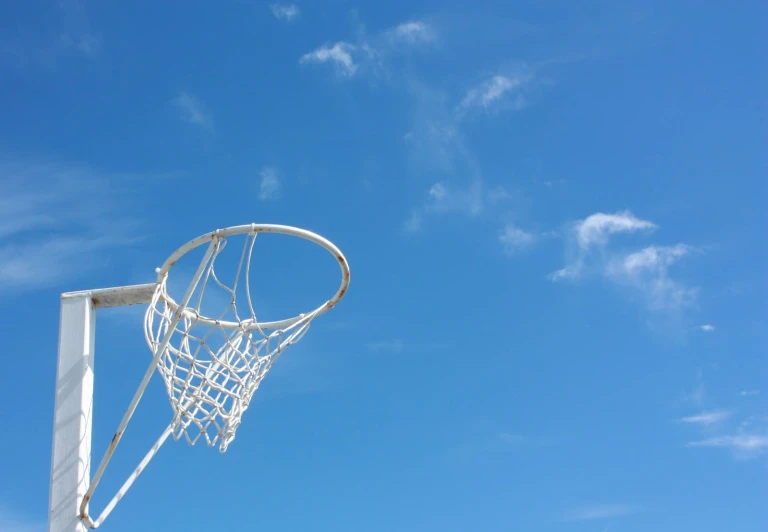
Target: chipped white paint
{"x": 120, "y": 296}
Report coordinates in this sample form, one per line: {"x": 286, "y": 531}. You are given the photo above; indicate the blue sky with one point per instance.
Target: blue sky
{"x": 554, "y": 214}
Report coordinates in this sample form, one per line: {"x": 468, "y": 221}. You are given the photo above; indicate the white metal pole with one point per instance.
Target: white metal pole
{"x": 70, "y": 464}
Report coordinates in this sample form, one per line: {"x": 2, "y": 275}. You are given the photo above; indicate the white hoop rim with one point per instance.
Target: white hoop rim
{"x": 163, "y": 271}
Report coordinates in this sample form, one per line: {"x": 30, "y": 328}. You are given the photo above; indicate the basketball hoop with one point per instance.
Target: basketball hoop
{"x": 212, "y": 366}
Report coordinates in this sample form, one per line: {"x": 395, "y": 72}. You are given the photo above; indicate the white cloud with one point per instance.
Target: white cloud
{"x": 744, "y": 444}
{"x": 594, "y": 232}
{"x": 596, "y": 229}
{"x": 749, "y": 393}
{"x": 339, "y": 55}
{"x": 652, "y": 259}
{"x": 607, "y": 511}
{"x": 513, "y": 239}
{"x": 286, "y": 12}
{"x": 645, "y": 271}
{"x": 494, "y": 90}
{"x": 269, "y": 187}
{"x": 412, "y": 32}
{"x": 707, "y": 418}
{"x": 192, "y": 110}
{"x": 369, "y": 54}
{"x": 707, "y": 328}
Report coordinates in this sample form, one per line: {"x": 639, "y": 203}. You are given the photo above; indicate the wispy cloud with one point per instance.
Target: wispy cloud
{"x": 596, "y": 229}
{"x": 514, "y": 240}
{"x": 56, "y": 222}
{"x": 339, "y": 55}
{"x": 369, "y": 54}
{"x": 438, "y": 149}
{"x": 605, "y": 511}
{"x": 746, "y": 439}
{"x": 645, "y": 271}
{"x": 470, "y": 201}
{"x": 287, "y": 12}
{"x": 269, "y": 186}
{"x": 707, "y": 328}
{"x": 707, "y": 418}
{"x": 412, "y": 32}
{"x": 749, "y": 393}
{"x": 744, "y": 445}
{"x": 498, "y": 91}
{"x": 192, "y": 111}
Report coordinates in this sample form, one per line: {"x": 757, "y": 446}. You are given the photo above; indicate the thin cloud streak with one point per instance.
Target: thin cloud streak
{"x": 56, "y": 222}
{"x": 596, "y": 228}
{"x": 495, "y": 90}
{"x": 707, "y": 418}
{"x": 339, "y": 55}
{"x": 744, "y": 443}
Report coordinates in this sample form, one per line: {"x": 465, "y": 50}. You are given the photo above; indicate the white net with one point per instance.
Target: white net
{"x": 213, "y": 366}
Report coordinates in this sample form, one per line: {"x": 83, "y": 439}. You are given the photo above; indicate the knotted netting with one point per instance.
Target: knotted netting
{"x": 213, "y": 366}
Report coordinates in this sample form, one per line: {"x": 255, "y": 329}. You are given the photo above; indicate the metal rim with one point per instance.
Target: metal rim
{"x": 163, "y": 271}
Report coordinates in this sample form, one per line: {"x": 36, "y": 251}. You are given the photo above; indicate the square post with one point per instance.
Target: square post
{"x": 70, "y": 464}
